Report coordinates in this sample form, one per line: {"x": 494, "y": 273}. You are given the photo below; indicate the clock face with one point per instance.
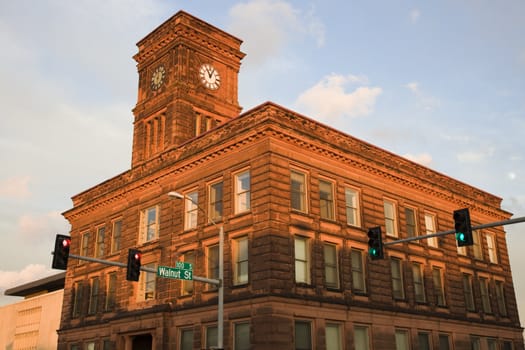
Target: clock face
{"x": 209, "y": 76}
{"x": 157, "y": 79}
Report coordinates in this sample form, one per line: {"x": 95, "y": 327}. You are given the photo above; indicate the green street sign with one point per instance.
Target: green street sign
{"x": 175, "y": 273}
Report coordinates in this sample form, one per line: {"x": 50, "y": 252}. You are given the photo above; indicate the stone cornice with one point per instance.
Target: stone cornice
{"x": 185, "y": 27}
{"x": 272, "y": 121}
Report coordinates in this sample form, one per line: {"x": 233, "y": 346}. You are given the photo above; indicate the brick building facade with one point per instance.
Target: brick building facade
{"x": 295, "y": 198}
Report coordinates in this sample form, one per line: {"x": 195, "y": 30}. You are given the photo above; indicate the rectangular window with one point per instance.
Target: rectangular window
{"x": 326, "y": 199}
{"x": 333, "y": 337}
{"x": 90, "y": 345}
{"x": 303, "y": 335}
{"x": 213, "y": 264}
{"x": 298, "y": 191}
{"x": 115, "y": 236}
{"x": 410, "y": 217}
{"x": 149, "y": 219}
{"x": 423, "y": 341}
{"x": 302, "y": 265}
{"x": 475, "y": 343}
{"x": 191, "y": 210}
{"x": 492, "y": 344}
{"x": 331, "y": 270}
{"x": 111, "y": 291}
{"x": 467, "y": 290}
{"x": 444, "y": 341}
{"x": 186, "y": 339}
{"x": 211, "y": 337}
{"x": 147, "y": 283}
{"x": 390, "y": 218}
{"x": 462, "y": 251}
{"x": 500, "y": 297}
{"x": 93, "y": 296}
{"x": 242, "y": 336}
{"x": 352, "y": 207}
{"x": 491, "y": 245}
{"x": 419, "y": 282}
{"x": 398, "y": 290}
{"x": 402, "y": 342}
{"x": 85, "y": 246}
{"x": 215, "y": 197}
{"x": 77, "y": 299}
{"x": 476, "y": 248}
{"x": 507, "y": 345}
{"x": 187, "y": 285}
{"x": 439, "y": 288}
{"x": 485, "y": 297}
{"x": 100, "y": 247}
{"x": 358, "y": 271}
{"x": 242, "y": 192}
{"x": 361, "y": 338}
{"x": 240, "y": 255}
{"x": 430, "y": 227}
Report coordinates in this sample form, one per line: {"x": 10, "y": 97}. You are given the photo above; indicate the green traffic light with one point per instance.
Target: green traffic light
{"x": 372, "y": 252}
{"x": 460, "y": 236}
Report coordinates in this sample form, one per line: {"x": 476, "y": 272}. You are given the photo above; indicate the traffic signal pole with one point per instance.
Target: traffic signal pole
{"x": 444, "y": 233}
{"x": 142, "y": 268}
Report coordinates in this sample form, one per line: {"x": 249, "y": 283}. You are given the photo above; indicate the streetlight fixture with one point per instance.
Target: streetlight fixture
{"x": 220, "y": 291}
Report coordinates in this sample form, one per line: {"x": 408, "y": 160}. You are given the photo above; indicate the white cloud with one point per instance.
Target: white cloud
{"x": 422, "y": 158}
{"x": 414, "y": 15}
{"x": 32, "y": 226}
{"x": 15, "y": 187}
{"x": 475, "y": 156}
{"x": 328, "y": 99}
{"x": 266, "y": 26}
{"x": 512, "y": 175}
{"x": 32, "y": 272}
{"x": 426, "y": 101}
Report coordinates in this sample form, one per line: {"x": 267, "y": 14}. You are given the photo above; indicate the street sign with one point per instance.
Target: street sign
{"x": 176, "y": 273}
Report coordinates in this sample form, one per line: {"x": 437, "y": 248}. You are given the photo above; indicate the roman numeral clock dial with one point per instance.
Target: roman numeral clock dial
{"x": 209, "y": 76}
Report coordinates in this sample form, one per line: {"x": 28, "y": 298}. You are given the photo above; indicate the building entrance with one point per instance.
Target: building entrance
{"x": 142, "y": 342}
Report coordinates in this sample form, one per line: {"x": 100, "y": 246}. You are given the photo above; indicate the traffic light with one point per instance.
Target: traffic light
{"x": 133, "y": 268}
{"x": 375, "y": 243}
{"x": 463, "y": 227}
{"x": 61, "y": 252}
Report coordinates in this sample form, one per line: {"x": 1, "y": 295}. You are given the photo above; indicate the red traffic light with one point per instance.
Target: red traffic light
{"x": 61, "y": 252}
{"x": 133, "y": 266}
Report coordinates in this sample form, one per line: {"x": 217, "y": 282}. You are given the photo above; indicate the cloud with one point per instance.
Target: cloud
{"x": 266, "y": 26}
{"x": 15, "y": 188}
{"x": 475, "y": 156}
{"x": 31, "y": 226}
{"x": 422, "y": 158}
{"x": 414, "y": 15}
{"x": 328, "y": 99}
{"x": 32, "y": 272}
{"x": 426, "y": 101}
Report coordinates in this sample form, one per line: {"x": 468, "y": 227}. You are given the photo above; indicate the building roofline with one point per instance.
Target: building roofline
{"x": 46, "y": 284}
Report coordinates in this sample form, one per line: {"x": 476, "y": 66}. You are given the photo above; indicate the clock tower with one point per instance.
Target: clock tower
{"x": 188, "y": 78}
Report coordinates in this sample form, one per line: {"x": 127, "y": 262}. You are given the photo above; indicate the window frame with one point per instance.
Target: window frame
{"x": 212, "y": 264}
{"x": 468, "y": 292}
{"x": 241, "y": 260}
{"x": 100, "y": 246}
{"x": 328, "y": 201}
{"x": 236, "y": 346}
{"x": 431, "y": 220}
{"x": 484, "y": 291}
{"x": 216, "y": 204}
{"x": 84, "y": 246}
{"x": 94, "y": 290}
{"x": 492, "y": 247}
{"x": 500, "y": 297}
{"x": 111, "y": 291}
{"x": 303, "y": 262}
{"x": 399, "y": 279}
{"x": 148, "y": 284}
{"x": 308, "y": 329}
{"x": 439, "y": 288}
{"x": 477, "y": 248}
{"x": 361, "y": 271}
{"x": 116, "y": 236}
{"x": 146, "y": 226}
{"x": 242, "y": 201}
{"x": 191, "y": 210}
{"x": 390, "y": 222}
{"x": 353, "y": 209}
{"x": 411, "y": 226}
{"x": 300, "y": 195}
{"x": 331, "y": 266}
{"x": 366, "y": 333}
{"x": 418, "y": 278}
{"x": 338, "y": 327}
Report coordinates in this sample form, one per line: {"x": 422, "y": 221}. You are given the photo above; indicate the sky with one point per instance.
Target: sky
{"x": 439, "y": 82}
